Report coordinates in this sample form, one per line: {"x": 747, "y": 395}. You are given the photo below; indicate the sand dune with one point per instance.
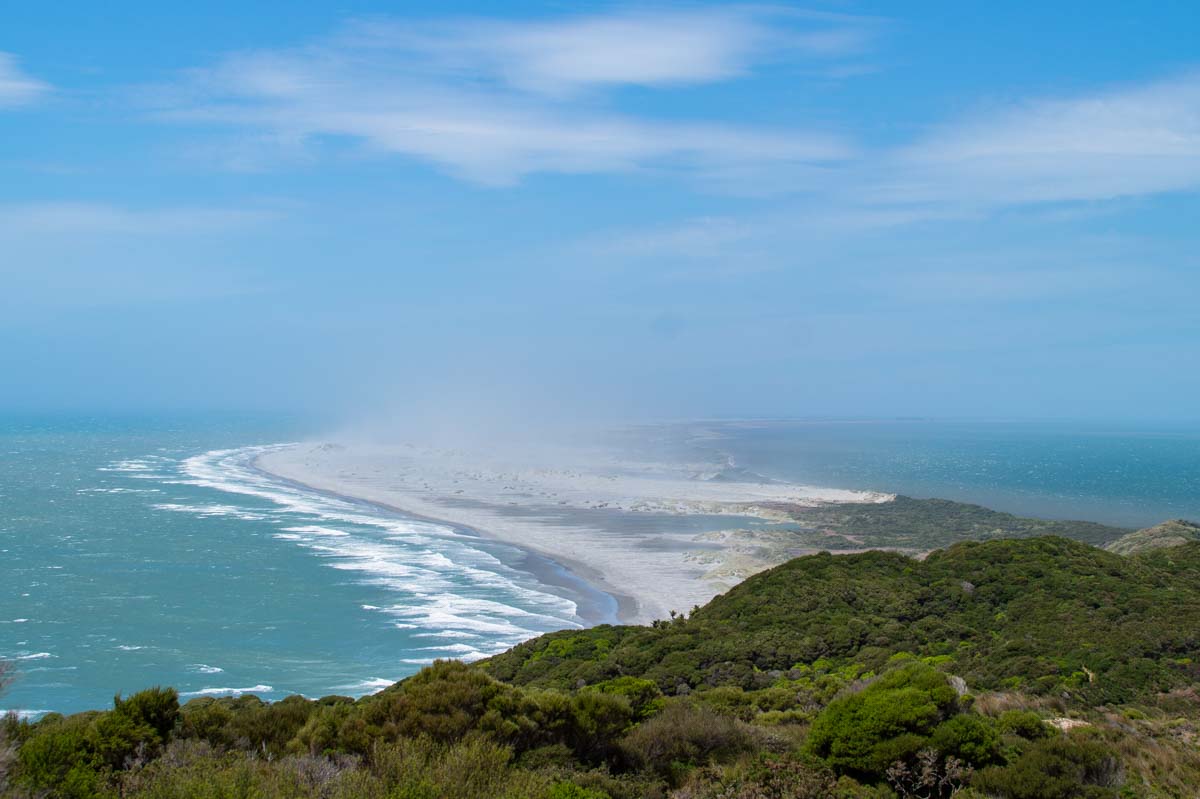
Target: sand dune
{"x": 658, "y": 537}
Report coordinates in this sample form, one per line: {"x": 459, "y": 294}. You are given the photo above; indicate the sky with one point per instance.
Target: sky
{"x": 949, "y": 209}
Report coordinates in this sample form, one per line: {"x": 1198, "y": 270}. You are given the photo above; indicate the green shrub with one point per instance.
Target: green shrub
{"x": 764, "y": 777}
{"x": 971, "y": 738}
{"x": 682, "y": 736}
{"x": 645, "y": 699}
{"x": 1025, "y": 724}
{"x": 420, "y": 768}
{"x": 1061, "y": 767}
{"x": 59, "y": 758}
{"x": 889, "y": 720}
{"x": 447, "y": 700}
{"x": 569, "y": 790}
{"x": 77, "y": 757}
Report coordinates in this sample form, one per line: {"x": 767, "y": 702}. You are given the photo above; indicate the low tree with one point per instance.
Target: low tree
{"x": 865, "y": 732}
{"x": 8, "y": 750}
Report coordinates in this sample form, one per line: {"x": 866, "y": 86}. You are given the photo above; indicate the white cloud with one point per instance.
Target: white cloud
{"x": 1063, "y": 159}
{"x": 1132, "y": 141}
{"x": 493, "y": 102}
{"x": 647, "y": 48}
{"x": 17, "y": 88}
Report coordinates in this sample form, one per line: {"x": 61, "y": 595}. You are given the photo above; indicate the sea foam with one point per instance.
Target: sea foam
{"x": 445, "y": 582}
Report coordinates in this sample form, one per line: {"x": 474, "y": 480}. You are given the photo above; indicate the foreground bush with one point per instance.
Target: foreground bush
{"x": 785, "y": 687}
{"x": 683, "y": 736}
{"x": 891, "y": 719}
{"x": 1060, "y": 767}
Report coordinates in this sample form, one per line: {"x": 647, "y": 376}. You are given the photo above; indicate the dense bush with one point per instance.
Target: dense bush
{"x": 764, "y": 777}
{"x": 1047, "y": 616}
{"x": 683, "y": 736}
{"x": 76, "y": 756}
{"x": 1060, "y": 767}
{"x": 909, "y": 709}
{"x": 798, "y": 683}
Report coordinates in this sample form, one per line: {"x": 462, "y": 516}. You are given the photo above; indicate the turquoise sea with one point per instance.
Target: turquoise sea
{"x": 137, "y": 551}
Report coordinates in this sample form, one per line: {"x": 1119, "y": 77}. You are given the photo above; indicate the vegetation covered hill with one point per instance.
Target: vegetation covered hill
{"x": 1022, "y": 669}
{"x": 925, "y": 524}
{"x": 1046, "y": 615}
{"x": 1168, "y": 534}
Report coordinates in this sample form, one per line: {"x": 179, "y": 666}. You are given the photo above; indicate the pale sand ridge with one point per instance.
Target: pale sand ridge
{"x": 586, "y": 518}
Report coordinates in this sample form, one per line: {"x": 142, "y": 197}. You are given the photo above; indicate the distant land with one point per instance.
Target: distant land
{"x": 1161, "y": 536}
{"x": 658, "y": 536}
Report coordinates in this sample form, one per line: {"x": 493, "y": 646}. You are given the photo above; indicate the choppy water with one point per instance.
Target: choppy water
{"x": 139, "y": 552}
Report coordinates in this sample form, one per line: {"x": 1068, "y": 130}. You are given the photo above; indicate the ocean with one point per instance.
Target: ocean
{"x": 144, "y": 551}
{"x": 137, "y": 551}
{"x": 1123, "y": 474}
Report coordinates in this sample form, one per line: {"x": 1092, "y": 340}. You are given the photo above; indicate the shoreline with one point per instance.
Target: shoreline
{"x": 547, "y": 569}
{"x": 648, "y": 537}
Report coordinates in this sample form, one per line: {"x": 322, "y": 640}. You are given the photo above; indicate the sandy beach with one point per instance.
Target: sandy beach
{"x": 656, "y": 537}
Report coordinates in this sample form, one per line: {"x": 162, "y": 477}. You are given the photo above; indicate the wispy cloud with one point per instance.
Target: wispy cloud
{"x": 1061, "y": 160}
{"x": 492, "y": 102}
{"x": 1131, "y": 141}
{"x": 17, "y": 88}
{"x": 639, "y": 48}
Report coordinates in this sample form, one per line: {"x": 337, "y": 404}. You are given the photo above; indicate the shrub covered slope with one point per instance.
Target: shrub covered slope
{"x": 1019, "y": 669}
{"x": 1046, "y": 615}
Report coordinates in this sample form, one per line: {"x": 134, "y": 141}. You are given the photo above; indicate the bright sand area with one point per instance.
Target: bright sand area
{"x": 630, "y": 529}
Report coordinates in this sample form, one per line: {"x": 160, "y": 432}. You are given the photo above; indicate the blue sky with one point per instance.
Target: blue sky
{"x": 602, "y": 210}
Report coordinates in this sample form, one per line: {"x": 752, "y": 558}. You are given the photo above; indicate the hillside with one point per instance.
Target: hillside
{"x": 1172, "y": 533}
{"x": 1038, "y": 668}
{"x": 1038, "y": 615}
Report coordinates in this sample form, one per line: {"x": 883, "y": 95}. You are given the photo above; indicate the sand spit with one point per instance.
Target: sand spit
{"x": 656, "y": 537}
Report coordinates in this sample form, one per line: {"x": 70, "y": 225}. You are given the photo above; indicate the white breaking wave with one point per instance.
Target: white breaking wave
{"x": 446, "y": 585}
{"x": 204, "y": 668}
{"x": 367, "y": 686}
{"x": 313, "y": 529}
{"x": 24, "y": 715}
{"x": 254, "y": 689}
{"x": 211, "y": 510}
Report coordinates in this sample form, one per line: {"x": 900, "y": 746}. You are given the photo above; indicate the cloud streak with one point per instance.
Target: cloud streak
{"x": 1130, "y": 141}
{"x": 635, "y": 48}
{"x": 494, "y": 102}
{"x": 1061, "y": 158}
{"x": 17, "y": 88}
